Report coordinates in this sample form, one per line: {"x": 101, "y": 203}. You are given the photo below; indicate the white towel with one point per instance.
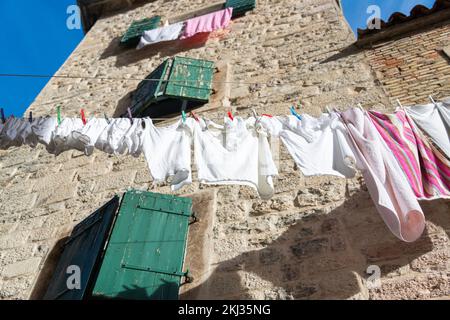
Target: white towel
{"x": 434, "y": 119}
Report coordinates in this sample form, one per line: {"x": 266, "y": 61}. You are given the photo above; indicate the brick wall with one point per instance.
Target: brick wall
{"x": 414, "y": 66}
{"x": 314, "y": 239}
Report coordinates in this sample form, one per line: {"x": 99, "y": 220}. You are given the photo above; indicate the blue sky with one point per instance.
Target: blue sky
{"x": 35, "y": 40}
{"x": 355, "y": 10}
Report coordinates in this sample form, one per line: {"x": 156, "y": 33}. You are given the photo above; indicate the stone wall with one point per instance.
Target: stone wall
{"x": 314, "y": 239}
{"x": 414, "y": 66}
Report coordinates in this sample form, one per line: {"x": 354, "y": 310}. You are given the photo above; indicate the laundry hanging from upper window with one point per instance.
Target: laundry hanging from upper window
{"x": 183, "y": 30}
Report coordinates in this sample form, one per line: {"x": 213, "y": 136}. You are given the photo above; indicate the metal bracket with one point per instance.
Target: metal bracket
{"x": 194, "y": 218}
{"x": 154, "y": 270}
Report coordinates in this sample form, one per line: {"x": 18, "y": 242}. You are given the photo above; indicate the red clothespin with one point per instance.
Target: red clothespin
{"x": 267, "y": 115}
{"x": 230, "y": 115}
{"x": 83, "y": 117}
{"x": 194, "y": 116}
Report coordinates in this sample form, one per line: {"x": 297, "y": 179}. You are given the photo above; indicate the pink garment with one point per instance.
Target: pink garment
{"x": 207, "y": 23}
{"x": 385, "y": 180}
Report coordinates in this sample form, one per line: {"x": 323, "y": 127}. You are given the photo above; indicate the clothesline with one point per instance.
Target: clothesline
{"x": 404, "y": 157}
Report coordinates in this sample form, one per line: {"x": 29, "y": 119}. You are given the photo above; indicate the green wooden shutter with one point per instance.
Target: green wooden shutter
{"x": 149, "y": 91}
{"x": 134, "y": 32}
{"x": 82, "y": 249}
{"x": 144, "y": 256}
{"x": 240, "y": 7}
{"x": 174, "y": 81}
{"x": 190, "y": 78}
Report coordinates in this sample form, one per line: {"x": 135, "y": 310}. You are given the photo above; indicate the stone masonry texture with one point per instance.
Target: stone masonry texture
{"x": 317, "y": 237}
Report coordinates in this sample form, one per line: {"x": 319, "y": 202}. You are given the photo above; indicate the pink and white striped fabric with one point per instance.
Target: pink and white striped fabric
{"x": 207, "y": 23}
{"x": 427, "y": 169}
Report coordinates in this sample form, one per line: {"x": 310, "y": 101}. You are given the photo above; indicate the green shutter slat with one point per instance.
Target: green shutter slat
{"x": 145, "y": 253}
{"x": 180, "y": 79}
{"x": 240, "y": 7}
{"x": 82, "y": 249}
{"x": 134, "y": 32}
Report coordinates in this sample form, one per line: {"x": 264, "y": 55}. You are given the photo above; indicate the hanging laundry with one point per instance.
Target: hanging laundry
{"x": 207, "y": 23}
{"x": 167, "y": 151}
{"x": 427, "y": 170}
{"x": 87, "y": 136}
{"x": 111, "y": 138}
{"x": 307, "y": 138}
{"x": 236, "y": 153}
{"x": 166, "y": 33}
{"x": 387, "y": 185}
{"x": 10, "y": 134}
{"x": 131, "y": 141}
{"x": 434, "y": 120}
{"x": 66, "y": 136}
{"x": 42, "y": 129}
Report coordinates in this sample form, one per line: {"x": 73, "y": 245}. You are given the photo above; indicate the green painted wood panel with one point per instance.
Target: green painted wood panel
{"x": 134, "y": 32}
{"x": 149, "y": 91}
{"x": 144, "y": 256}
{"x": 240, "y": 7}
{"x": 190, "y": 78}
{"x": 82, "y": 249}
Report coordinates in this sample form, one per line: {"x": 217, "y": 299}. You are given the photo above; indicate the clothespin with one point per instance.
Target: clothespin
{"x": 106, "y": 117}
{"x": 183, "y": 116}
{"x": 328, "y": 110}
{"x": 130, "y": 115}
{"x": 2, "y": 115}
{"x": 360, "y": 107}
{"x": 432, "y": 100}
{"x": 58, "y": 114}
{"x": 230, "y": 115}
{"x": 294, "y": 113}
{"x": 194, "y": 116}
{"x": 30, "y": 118}
{"x": 83, "y": 117}
{"x": 400, "y": 104}
{"x": 267, "y": 115}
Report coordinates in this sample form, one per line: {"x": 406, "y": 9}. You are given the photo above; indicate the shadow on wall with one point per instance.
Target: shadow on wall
{"x": 125, "y": 57}
{"x": 321, "y": 257}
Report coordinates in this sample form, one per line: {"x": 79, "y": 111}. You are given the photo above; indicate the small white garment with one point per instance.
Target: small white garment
{"x": 166, "y": 33}
{"x": 66, "y": 136}
{"x": 131, "y": 140}
{"x": 110, "y": 139}
{"x": 236, "y": 153}
{"x": 167, "y": 151}
{"x": 10, "y": 133}
{"x": 318, "y": 146}
{"x": 434, "y": 119}
{"x": 86, "y": 137}
{"x": 385, "y": 180}
{"x": 43, "y": 129}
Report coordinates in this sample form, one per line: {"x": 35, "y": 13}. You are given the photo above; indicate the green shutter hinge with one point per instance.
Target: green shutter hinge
{"x": 188, "y": 278}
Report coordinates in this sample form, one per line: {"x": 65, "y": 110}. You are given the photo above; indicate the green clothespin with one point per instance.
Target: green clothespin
{"x": 58, "y": 113}
{"x": 183, "y": 115}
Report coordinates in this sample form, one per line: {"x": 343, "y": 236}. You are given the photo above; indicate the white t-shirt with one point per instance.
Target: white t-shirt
{"x": 435, "y": 121}
{"x": 167, "y": 151}
{"x": 236, "y": 153}
{"x": 319, "y": 146}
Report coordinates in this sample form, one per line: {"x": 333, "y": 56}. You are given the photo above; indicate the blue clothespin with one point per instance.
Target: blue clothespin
{"x": 106, "y": 117}
{"x": 294, "y": 113}
{"x": 30, "y": 118}
{"x": 130, "y": 116}
{"x": 3, "y": 115}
